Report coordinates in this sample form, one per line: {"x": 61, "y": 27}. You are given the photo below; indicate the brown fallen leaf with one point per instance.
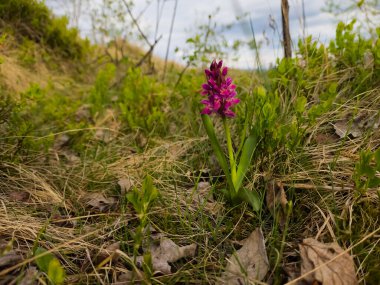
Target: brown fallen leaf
{"x": 201, "y": 197}
{"x": 368, "y": 60}
{"x": 30, "y": 276}
{"x": 61, "y": 141}
{"x": 130, "y": 277}
{"x": 314, "y": 254}
{"x": 98, "y": 202}
{"x": 109, "y": 253}
{"x": 126, "y": 278}
{"x": 325, "y": 138}
{"x": 19, "y": 196}
{"x": 249, "y": 263}
{"x": 276, "y": 200}
{"x": 66, "y": 221}
{"x": 83, "y": 113}
{"x": 345, "y": 128}
{"x": 9, "y": 259}
{"x": 125, "y": 185}
{"x": 167, "y": 251}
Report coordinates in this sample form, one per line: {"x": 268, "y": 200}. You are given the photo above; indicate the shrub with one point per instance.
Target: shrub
{"x": 33, "y": 20}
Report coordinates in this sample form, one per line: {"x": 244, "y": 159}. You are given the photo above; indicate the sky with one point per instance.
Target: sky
{"x": 192, "y": 13}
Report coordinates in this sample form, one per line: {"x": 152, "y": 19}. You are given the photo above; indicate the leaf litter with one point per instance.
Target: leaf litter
{"x": 249, "y": 263}
{"x": 331, "y": 265}
{"x": 165, "y": 251}
{"x": 97, "y": 202}
{"x": 201, "y": 196}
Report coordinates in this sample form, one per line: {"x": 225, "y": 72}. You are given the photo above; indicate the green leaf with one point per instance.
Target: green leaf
{"x": 150, "y": 192}
{"x": 252, "y": 198}
{"x": 245, "y": 159}
{"x": 217, "y": 149}
{"x": 56, "y": 272}
{"x": 133, "y": 197}
{"x": 300, "y": 104}
{"x": 49, "y": 264}
{"x": 43, "y": 261}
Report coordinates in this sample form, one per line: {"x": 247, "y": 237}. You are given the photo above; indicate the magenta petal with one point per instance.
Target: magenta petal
{"x": 206, "y": 86}
{"x": 229, "y": 113}
{"x": 217, "y": 106}
{"x": 234, "y": 101}
{"x": 206, "y": 111}
{"x": 220, "y": 63}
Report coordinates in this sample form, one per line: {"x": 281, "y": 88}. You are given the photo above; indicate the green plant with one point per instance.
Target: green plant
{"x": 101, "y": 93}
{"x": 221, "y": 97}
{"x": 50, "y": 265}
{"x": 367, "y": 169}
{"x": 141, "y": 200}
{"x": 32, "y": 19}
{"x": 142, "y": 102}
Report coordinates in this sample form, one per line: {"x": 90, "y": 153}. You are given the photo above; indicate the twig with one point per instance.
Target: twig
{"x": 148, "y": 52}
{"x": 170, "y": 37}
{"x": 136, "y": 23}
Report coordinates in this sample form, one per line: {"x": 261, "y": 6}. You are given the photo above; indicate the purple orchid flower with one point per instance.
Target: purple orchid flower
{"x": 220, "y": 91}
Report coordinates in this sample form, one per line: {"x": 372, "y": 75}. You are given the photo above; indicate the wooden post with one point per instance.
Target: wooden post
{"x": 287, "y": 42}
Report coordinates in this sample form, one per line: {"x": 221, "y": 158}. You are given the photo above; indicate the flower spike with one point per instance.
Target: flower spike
{"x": 219, "y": 90}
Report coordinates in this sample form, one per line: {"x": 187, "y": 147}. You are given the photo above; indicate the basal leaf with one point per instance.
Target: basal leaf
{"x": 245, "y": 159}
{"x": 217, "y": 149}
{"x": 251, "y": 197}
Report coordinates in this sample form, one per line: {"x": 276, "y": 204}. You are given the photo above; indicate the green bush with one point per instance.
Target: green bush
{"x": 101, "y": 93}
{"x": 33, "y": 20}
{"x": 142, "y": 102}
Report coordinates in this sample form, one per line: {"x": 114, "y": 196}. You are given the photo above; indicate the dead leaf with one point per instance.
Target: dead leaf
{"x": 30, "y": 276}
{"x": 167, "y": 251}
{"x": 83, "y": 113}
{"x": 345, "y": 128}
{"x": 110, "y": 253}
{"x": 19, "y": 196}
{"x": 325, "y": 138}
{"x": 125, "y": 185}
{"x": 103, "y": 135}
{"x": 314, "y": 254}
{"x": 98, "y": 202}
{"x": 276, "y": 200}
{"x": 61, "y": 141}
{"x": 70, "y": 155}
{"x": 126, "y": 278}
{"x": 64, "y": 221}
{"x": 202, "y": 197}
{"x": 368, "y": 60}
{"x": 9, "y": 259}
{"x": 130, "y": 277}
{"x": 249, "y": 263}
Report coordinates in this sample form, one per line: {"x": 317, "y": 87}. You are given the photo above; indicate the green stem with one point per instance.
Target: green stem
{"x": 230, "y": 151}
